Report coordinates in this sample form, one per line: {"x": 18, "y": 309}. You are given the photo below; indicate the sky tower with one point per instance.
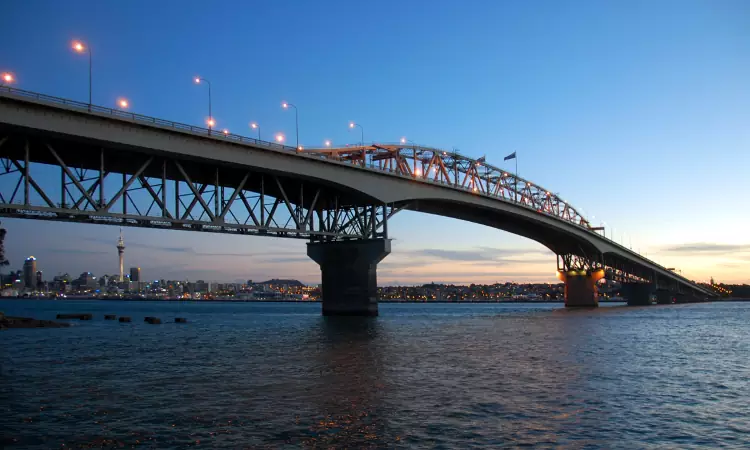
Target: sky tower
{"x": 121, "y": 254}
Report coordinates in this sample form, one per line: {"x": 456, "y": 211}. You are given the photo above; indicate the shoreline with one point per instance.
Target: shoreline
{"x": 285, "y": 301}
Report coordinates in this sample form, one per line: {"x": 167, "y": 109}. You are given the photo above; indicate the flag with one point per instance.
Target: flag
{"x": 482, "y": 159}
{"x": 511, "y": 156}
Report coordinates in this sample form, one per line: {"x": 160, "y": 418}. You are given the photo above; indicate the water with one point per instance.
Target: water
{"x": 435, "y": 376}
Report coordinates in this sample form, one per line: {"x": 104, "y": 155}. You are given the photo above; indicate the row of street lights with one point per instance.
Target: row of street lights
{"x": 81, "y": 47}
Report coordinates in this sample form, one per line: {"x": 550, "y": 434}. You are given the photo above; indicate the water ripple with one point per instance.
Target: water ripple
{"x": 438, "y": 376}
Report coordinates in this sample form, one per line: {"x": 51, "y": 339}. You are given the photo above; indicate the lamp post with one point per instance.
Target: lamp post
{"x": 327, "y": 143}
{"x": 255, "y": 126}
{"x": 280, "y": 138}
{"x": 80, "y": 48}
{"x": 210, "y": 121}
{"x": 123, "y": 103}
{"x": 362, "y": 131}
{"x": 286, "y": 105}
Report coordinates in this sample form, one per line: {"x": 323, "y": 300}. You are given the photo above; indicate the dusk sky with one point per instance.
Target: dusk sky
{"x": 636, "y": 112}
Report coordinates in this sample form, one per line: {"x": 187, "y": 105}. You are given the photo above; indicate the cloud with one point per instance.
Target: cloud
{"x": 77, "y": 251}
{"x": 703, "y": 247}
{"x": 456, "y": 255}
{"x": 480, "y": 254}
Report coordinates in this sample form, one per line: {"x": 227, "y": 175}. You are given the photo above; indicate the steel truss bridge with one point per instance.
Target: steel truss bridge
{"x": 69, "y": 161}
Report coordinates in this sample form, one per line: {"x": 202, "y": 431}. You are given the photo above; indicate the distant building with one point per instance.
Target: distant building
{"x": 121, "y": 256}
{"x": 39, "y": 278}
{"x": 29, "y": 272}
{"x": 135, "y": 274}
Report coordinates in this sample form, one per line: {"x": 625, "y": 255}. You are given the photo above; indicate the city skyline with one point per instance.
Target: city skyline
{"x": 624, "y": 144}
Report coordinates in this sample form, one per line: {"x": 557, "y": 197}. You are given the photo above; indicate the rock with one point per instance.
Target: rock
{"x": 180, "y": 320}
{"x": 124, "y": 319}
{"x": 28, "y": 322}
{"x": 110, "y": 317}
{"x": 85, "y": 316}
{"x": 153, "y": 320}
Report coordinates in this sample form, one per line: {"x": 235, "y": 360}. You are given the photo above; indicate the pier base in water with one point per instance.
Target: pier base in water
{"x": 580, "y": 288}
{"x": 349, "y": 275}
{"x": 638, "y": 294}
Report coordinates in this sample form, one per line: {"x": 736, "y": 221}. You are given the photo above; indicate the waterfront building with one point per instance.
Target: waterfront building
{"x": 39, "y": 279}
{"x": 135, "y": 274}
{"x": 29, "y": 272}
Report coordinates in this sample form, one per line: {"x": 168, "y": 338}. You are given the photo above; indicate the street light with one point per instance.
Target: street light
{"x": 255, "y": 126}
{"x": 123, "y": 103}
{"x": 280, "y": 138}
{"x": 210, "y": 122}
{"x": 286, "y": 105}
{"x": 362, "y": 130}
{"x": 327, "y": 143}
{"x": 80, "y": 48}
{"x": 7, "y": 78}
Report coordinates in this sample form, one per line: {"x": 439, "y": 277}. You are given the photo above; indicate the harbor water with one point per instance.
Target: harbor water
{"x": 276, "y": 375}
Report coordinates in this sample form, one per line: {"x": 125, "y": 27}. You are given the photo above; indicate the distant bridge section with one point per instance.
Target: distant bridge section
{"x": 67, "y": 161}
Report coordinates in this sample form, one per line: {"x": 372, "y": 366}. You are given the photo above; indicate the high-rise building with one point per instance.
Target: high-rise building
{"x": 135, "y": 274}
{"x": 121, "y": 254}
{"x": 29, "y": 272}
{"x": 39, "y": 278}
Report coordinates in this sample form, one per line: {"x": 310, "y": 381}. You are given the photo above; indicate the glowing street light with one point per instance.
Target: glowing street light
{"x": 123, "y": 103}
{"x": 210, "y": 122}
{"x": 362, "y": 131}
{"x": 327, "y": 143}
{"x": 225, "y": 131}
{"x": 286, "y": 105}
{"x": 7, "y": 78}
{"x": 80, "y": 48}
{"x": 255, "y": 126}
{"x": 280, "y": 138}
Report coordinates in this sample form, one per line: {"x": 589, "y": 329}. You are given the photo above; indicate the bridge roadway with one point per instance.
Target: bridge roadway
{"x": 126, "y": 169}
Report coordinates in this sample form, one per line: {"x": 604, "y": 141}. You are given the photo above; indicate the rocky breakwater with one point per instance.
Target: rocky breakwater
{"x": 27, "y": 322}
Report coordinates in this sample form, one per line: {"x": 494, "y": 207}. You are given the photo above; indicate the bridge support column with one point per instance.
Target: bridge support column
{"x": 580, "y": 288}
{"x": 664, "y": 297}
{"x": 638, "y": 294}
{"x": 349, "y": 274}
{"x": 686, "y": 297}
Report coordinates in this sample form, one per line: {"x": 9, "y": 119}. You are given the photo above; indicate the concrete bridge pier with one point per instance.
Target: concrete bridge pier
{"x": 349, "y": 275}
{"x": 580, "y": 288}
{"x": 664, "y": 297}
{"x": 638, "y": 294}
{"x": 683, "y": 297}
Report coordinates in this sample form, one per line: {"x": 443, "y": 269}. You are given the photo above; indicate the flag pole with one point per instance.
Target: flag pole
{"x": 516, "y": 158}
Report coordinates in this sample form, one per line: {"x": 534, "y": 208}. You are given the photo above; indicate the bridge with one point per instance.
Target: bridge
{"x": 68, "y": 161}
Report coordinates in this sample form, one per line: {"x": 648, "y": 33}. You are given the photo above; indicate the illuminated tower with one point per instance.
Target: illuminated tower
{"x": 121, "y": 254}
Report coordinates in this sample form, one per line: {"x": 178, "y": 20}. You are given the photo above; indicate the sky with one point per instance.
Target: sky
{"x": 637, "y": 112}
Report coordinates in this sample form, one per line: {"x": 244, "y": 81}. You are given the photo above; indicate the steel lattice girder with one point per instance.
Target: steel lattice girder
{"x": 450, "y": 168}
{"x": 163, "y": 192}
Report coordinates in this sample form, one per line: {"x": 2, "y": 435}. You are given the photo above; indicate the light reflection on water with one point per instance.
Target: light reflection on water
{"x": 275, "y": 375}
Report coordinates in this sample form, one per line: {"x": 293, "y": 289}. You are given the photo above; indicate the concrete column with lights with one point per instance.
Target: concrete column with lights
{"x": 638, "y": 294}
{"x": 580, "y": 287}
{"x": 349, "y": 275}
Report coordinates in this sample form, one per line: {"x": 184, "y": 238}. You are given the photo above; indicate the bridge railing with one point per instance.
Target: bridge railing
{"x": 140, "y": 118}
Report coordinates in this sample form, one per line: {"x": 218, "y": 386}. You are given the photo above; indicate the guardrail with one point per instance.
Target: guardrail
{"x": 140, "y": 118}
